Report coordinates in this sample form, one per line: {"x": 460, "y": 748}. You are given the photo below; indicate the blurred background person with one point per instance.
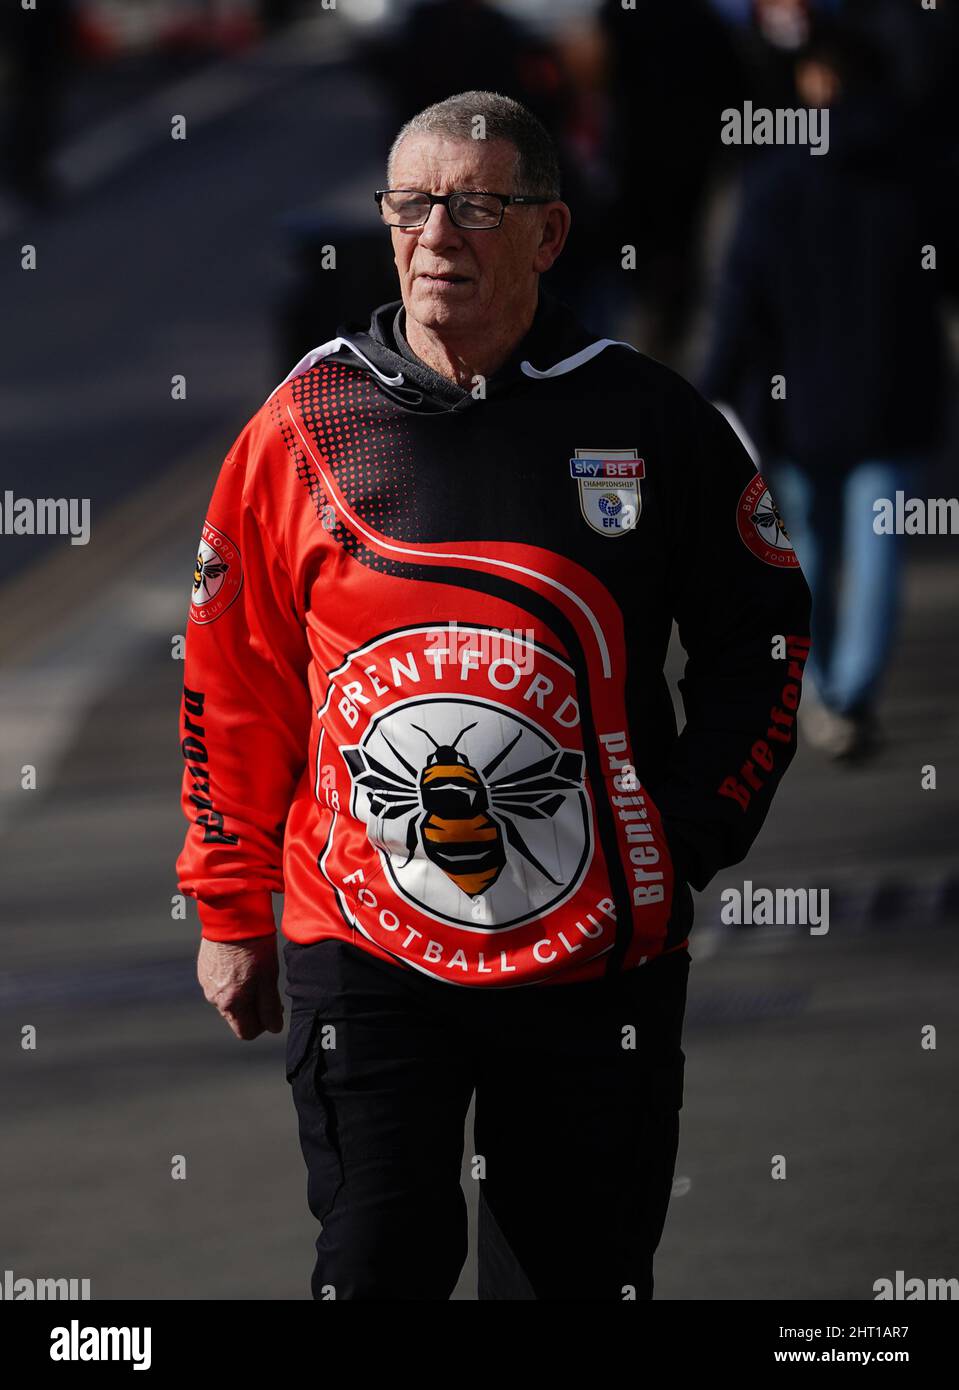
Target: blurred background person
{"x": 440, "y": 45}
{"x": 823, "y": 283}
{"x": 671, "y": 69}
{"x": 37, "y": 46}
{"x": 775, "y": 32}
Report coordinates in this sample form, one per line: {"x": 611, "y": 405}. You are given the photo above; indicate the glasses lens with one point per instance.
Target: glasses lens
{"x": 403, "y": 209}
{"x": 475, "y": 210}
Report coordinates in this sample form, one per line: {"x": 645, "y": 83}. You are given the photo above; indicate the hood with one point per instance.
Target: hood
{"x": 556, "y": 344}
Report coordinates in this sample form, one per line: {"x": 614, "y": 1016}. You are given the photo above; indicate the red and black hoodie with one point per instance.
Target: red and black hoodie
{"x": 424, "y": 692}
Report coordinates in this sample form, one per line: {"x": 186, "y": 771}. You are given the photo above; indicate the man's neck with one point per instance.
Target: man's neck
{"x": 462, "y": 358}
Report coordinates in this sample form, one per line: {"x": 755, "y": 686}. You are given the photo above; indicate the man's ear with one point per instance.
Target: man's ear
{"x": 553, "y": 234}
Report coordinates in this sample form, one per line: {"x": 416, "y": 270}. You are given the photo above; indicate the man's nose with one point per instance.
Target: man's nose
{"x": 439, "y": 228}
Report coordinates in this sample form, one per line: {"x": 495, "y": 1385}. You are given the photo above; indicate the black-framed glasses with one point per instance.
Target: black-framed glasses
{"x": 475, "y": 212}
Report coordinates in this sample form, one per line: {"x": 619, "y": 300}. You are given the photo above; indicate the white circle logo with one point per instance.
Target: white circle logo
{"x": 480, "y": 817}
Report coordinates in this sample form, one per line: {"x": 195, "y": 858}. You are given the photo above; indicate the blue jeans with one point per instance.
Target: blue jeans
{"x": 855, "y": 575}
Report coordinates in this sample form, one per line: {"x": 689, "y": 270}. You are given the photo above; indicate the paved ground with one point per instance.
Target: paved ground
{"x": 797, "y": 1045}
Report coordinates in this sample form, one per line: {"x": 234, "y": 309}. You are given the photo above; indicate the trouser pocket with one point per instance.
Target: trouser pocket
{"x": 307, "y": 1059}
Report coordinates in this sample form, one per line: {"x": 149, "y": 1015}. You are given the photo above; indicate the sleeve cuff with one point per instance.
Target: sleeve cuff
{"x": 238, "y": 917}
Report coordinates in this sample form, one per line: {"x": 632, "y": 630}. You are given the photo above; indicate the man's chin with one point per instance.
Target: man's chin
{"x": 433, "y": 304}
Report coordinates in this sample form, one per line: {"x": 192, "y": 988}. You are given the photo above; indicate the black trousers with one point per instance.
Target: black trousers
{"x": 578, "y": 1092}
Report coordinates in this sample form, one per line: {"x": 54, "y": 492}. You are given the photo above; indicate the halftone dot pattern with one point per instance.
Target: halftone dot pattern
{"x": 304, "y": 472}
{"x": 361, "y": 438}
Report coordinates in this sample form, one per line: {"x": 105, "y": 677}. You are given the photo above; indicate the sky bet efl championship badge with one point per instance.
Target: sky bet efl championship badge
{"x": 609, "y": 494}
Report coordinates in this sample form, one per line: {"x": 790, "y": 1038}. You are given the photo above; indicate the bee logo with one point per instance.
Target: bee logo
{"x": 208, "y": 572}
{"x": 761, "y": 527}
{"x": 767, "y": 518}
{"x": 463, "y": 818}
{"x": 217, "y": 575}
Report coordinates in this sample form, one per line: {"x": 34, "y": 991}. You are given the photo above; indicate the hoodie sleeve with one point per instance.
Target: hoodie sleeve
{"x": 742, "y": 607}
{"x": 246, "y": 709}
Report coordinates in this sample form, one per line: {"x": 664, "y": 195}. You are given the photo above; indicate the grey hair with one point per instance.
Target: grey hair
{"x": 537, "y": 162}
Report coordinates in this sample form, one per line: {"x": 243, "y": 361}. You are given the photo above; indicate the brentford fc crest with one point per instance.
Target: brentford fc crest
{"x": 479, "y": 813}
{"x": 761, "y": 528}
{"x": 461, "y": 835}
{"x": 217, "y": 575}
{"x": 609, "y": 488}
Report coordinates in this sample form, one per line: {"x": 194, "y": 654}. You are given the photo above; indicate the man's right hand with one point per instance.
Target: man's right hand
{"x": 239, "y": 978}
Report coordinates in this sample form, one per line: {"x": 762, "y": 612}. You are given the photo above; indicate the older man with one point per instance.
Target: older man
{"x": 425, "y": 699}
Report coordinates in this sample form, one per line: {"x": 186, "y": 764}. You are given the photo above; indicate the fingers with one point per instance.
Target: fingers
{"x": 243, "y": 1020}
{"x": 250, "y": 1017}
{"x": 240, "y": 980}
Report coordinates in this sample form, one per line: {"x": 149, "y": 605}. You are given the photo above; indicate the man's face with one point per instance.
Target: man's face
{"x": 451, "y": 280}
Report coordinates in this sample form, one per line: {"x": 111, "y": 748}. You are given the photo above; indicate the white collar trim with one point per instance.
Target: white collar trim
{"x": 326, "y": 350}
{"x": 569, "y": 364}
